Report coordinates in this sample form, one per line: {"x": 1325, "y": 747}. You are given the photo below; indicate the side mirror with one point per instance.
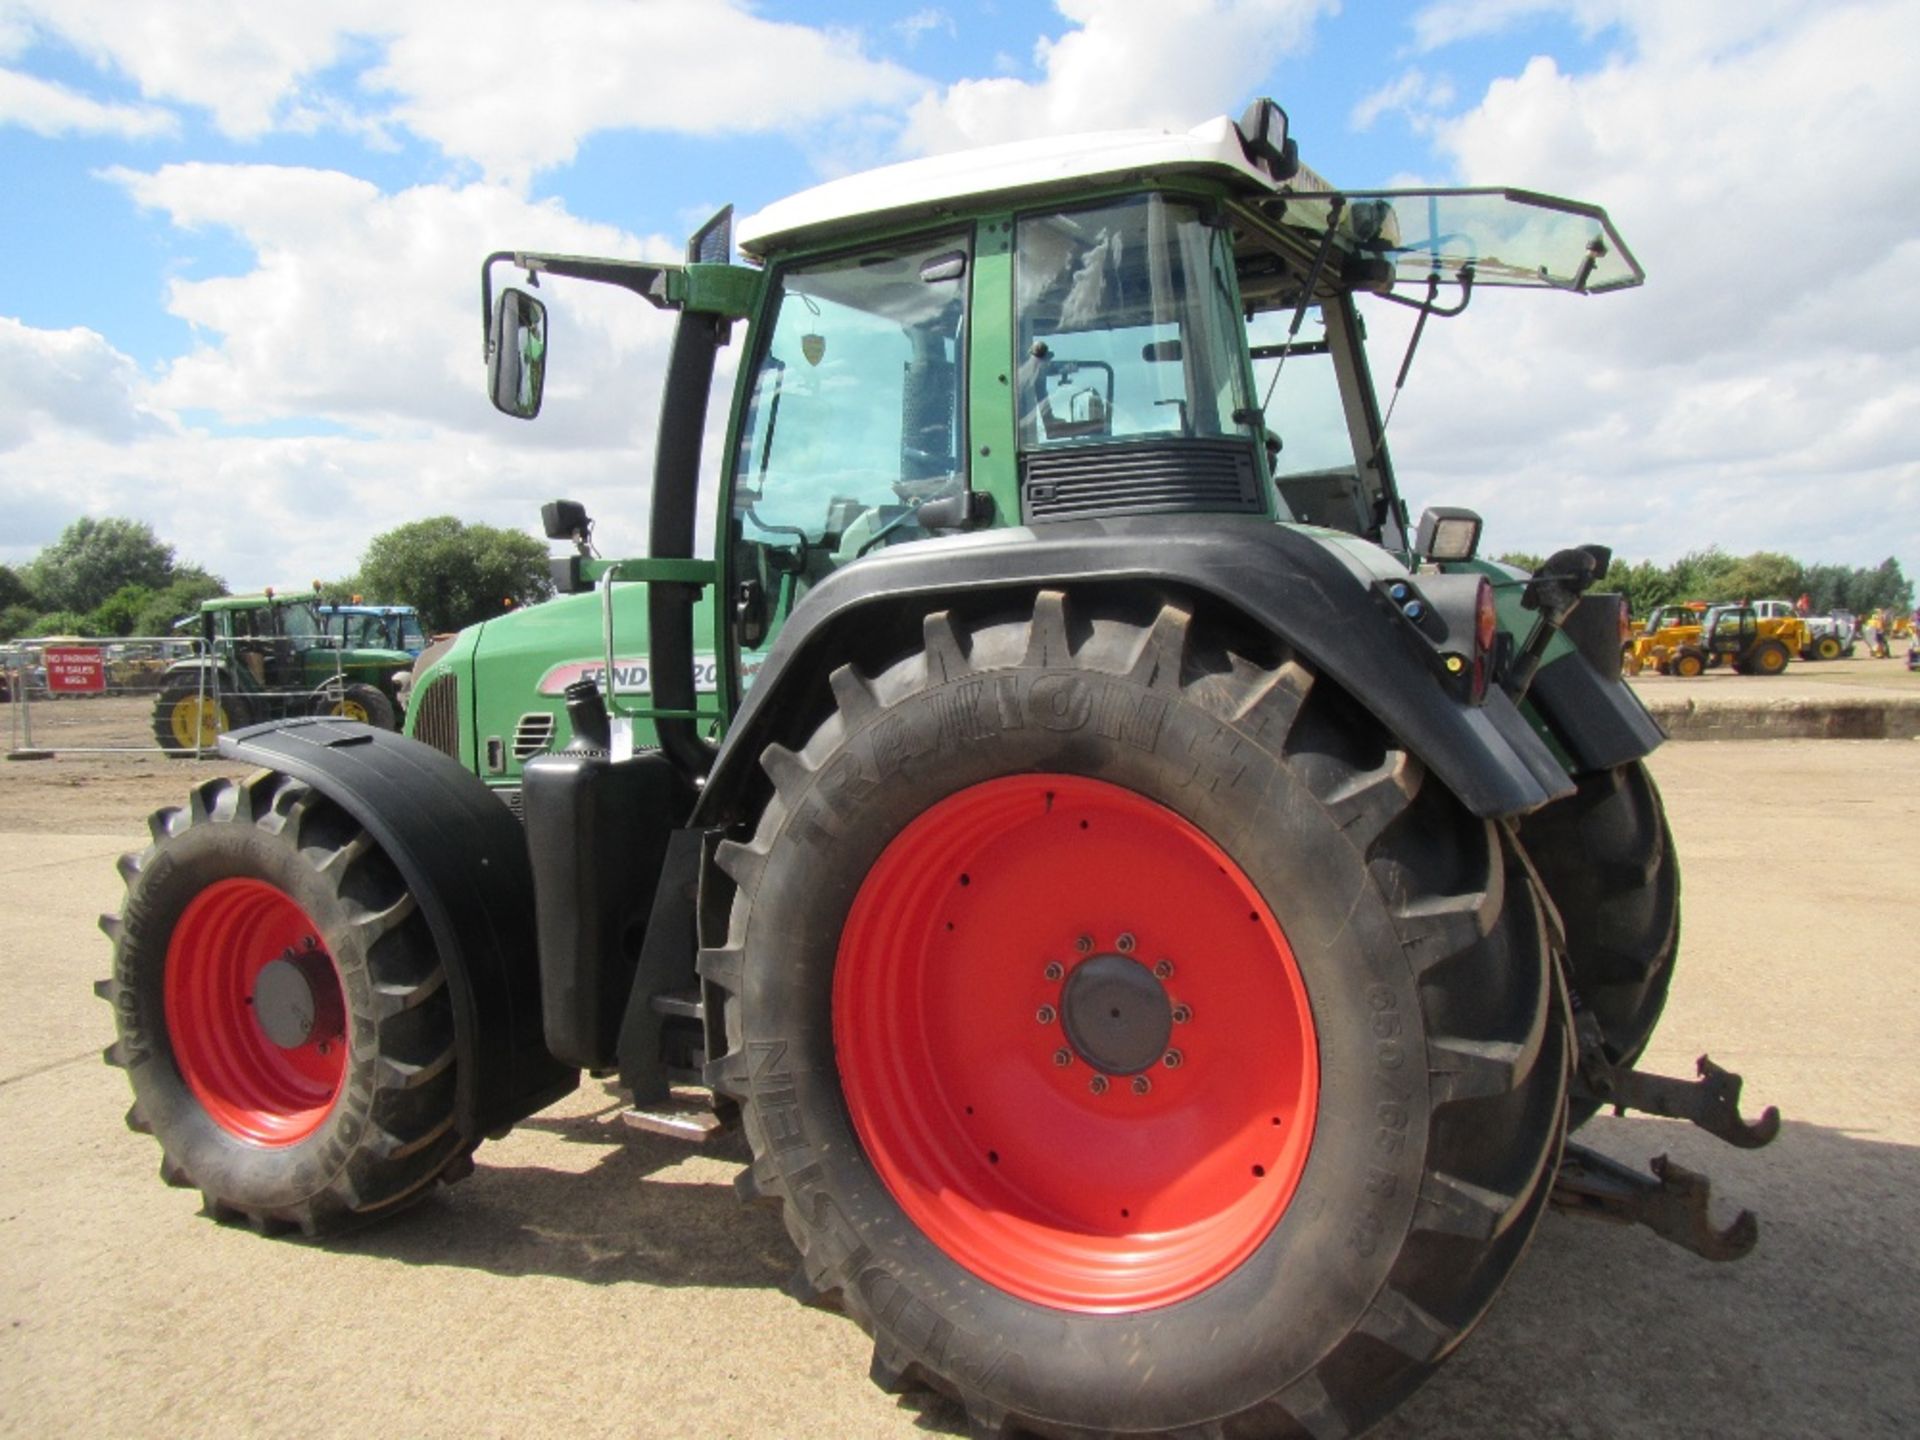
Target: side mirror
{"x": 517, "y": 354}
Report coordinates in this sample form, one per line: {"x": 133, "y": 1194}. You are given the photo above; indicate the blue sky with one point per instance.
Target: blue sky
{"x": 242, "y": 240}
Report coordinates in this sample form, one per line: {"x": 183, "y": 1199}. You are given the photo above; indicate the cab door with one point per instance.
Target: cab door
{"x": 854, "y": 419}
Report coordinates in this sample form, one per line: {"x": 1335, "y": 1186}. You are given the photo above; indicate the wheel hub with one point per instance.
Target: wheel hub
{"x": 1117, "y": 1016}
{"x": 296, "y": 999}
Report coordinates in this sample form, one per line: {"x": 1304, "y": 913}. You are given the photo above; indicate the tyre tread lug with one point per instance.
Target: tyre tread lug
{"x": 1395, "y": 1320}
{"x": 1047, "y": 633}
{"x": 1460, "y": 1069}
{"x": 945, "y": 651}
{"x": 1452, "y": 1206}
{"x": 788, "y": 771}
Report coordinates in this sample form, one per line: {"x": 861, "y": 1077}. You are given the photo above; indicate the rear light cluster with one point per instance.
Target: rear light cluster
{"x": 1464, "y": 633}
{"x": 1486, "y": 632}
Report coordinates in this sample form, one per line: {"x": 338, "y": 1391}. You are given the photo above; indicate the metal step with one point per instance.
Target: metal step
{"x": 690, "y": 1120}
{"x": 685, "y": 1004}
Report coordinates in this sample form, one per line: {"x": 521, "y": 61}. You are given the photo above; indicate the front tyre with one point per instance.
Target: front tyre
{"x": 1136, "y": 1039}
{"x": 282, "y": 1012}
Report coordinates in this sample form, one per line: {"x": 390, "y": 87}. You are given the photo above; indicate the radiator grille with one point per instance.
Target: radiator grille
{"x": 437, "y": 712}
{"x": 1087, "y": 481}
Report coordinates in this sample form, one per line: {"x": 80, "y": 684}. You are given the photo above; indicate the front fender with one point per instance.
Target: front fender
{"x": 1319, "y": 598}
{"x": 464, "y": 860}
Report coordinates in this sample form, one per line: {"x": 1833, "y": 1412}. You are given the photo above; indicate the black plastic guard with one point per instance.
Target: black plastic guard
{"x": 1597, "y": 717}
{"x": 1321, "y": 601}
{"x": 597, "y": 834}
{"x": 464, "y": 859}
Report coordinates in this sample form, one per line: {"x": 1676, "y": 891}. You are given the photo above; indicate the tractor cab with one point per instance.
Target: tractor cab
{"x": 1151, "y": 327}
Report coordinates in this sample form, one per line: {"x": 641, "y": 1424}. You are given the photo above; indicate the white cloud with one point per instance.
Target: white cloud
{"x": 511, "y": 89}
{"x": 913, "y": 28}
{"x": 1122, "y": 63}
{"x": 692, "y": 66}
{"x": 360, "y": 312}
{"x": 70, "y": 382}
{"x": 1413, "y": 94}
{"x": 1763, "y": 389}
{"x": 362, "y": 308}
{"x": 49, "y": 109}
{"x": 243, "y": 63}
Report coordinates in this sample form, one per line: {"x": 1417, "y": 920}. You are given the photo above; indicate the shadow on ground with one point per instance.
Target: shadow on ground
{"x": 1602, "y": 1332}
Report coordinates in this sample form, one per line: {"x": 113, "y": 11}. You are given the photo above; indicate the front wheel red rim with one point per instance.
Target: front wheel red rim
{"x": 257, "y": 1089}
{"x": 1086, "y": 1160}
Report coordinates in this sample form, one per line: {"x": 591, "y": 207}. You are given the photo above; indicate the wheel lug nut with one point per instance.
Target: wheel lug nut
{"x": 1044, "y": 1014}
{"x": 1124, "y": 944}
{"x": 1054, "y": 970}
{"x": 1098, "y": 1084}
{"x": 1063, "y": 1057}
{"x": 1172, "y": 1059}
{"x": 1181, "y": 1014}
{"x": 1162, "y": 969}
{"x": 1084, "y": 944}
{"x": 1141, "y": 1085}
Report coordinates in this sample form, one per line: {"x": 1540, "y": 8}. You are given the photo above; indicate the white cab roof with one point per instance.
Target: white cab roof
{"x": 1060, "y": 161}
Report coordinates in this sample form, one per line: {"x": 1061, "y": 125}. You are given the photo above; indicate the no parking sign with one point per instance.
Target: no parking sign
{"x": 75, "y": 669}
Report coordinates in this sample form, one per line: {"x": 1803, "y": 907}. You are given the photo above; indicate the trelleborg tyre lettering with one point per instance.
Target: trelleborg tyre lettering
{"x": 352, "y": 1113}
{"x": 1439, "y": 1033}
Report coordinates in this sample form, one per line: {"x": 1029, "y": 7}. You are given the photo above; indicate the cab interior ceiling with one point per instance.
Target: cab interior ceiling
{"x": 885, "y": 283}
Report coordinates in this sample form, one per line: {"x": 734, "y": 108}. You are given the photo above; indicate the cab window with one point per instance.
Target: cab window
{"x": 856, "y": 414}
{"x": 1310, "y": 448}
{"x": 1127, "y": 326}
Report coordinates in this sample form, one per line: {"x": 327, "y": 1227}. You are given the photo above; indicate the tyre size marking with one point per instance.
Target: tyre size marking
{"x": 1392, "y": 1119}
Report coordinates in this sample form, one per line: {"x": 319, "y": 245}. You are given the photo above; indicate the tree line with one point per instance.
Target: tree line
{"x": 114, "y": 576}
{"x": 1718, "y": 578}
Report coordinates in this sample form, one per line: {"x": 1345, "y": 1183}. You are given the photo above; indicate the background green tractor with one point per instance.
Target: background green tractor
{"x": 1155, "y": 911}
{"x": 269, "y": 657}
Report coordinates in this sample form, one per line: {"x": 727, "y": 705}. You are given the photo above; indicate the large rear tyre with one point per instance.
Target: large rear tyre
{"x": 282, "y": 1012}
{"x": 1769, "y": 657}
{"x": 1607, "y": 861}
{"x": 1687, "y": 663}
{"x": 1137, "y": 1041}
{"x": 189, "y": 719}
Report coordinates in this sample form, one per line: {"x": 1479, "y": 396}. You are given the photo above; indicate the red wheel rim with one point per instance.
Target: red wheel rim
{"x": 253, "y": 1088}
{"x": 952, "y": 1010}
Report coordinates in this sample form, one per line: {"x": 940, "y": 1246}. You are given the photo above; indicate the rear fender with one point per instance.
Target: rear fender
{"x": 1328, "y": 604}
{"x": 464, "y": 860}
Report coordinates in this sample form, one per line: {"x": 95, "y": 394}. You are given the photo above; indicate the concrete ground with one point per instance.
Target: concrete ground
{"x": 590, "y": 1282}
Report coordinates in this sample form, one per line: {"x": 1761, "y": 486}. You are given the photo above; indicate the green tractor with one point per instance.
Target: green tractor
{"x": 1155, "y": 910}
{"x": 270, "y": 657}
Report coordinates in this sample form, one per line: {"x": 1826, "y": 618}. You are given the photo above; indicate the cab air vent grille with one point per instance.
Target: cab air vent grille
{"x": 1084, "y": 482}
